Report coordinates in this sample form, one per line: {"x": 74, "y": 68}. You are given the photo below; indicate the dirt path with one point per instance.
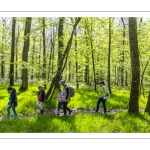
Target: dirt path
{"x": 74, "y": 111}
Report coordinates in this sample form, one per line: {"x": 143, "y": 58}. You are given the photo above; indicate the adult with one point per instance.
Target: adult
{"x": 12, "y": 100}
{"x": 102, "y": 93}
{"x": 65, "y": 97}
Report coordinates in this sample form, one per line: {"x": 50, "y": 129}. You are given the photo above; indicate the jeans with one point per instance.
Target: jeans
{"x": 103, "y": 102}
{"x": 60, "y": 105}
{"x": 65, "y": 107}
{"x": 40, "y": 105}
{"x": 13, "y": 109}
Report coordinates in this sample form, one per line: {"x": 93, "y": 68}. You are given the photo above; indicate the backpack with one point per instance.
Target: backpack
{"x": 15, "y": 96}
{"x": 16, "y": 102}
{"x": 107, "y": 95}
{"x": 71, "y": 89}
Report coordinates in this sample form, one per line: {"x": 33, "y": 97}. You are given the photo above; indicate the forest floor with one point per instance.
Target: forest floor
{"x": 74, "y": 111}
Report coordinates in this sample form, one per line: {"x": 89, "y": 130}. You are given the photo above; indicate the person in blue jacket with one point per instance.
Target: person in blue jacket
{"x": 11, "y": 103}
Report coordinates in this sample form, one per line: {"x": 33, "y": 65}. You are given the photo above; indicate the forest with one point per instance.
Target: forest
{"x": 83, "y": 51}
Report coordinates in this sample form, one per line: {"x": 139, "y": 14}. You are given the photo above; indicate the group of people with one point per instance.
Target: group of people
{"x": 63, "y": 98}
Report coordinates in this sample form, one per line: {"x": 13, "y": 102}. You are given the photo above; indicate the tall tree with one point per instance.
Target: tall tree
{"x": 109, "y": 52}
{"x": 24, "y": 85}
{"x": 135, "y": 66}
{"x": 12, "y": 52}
{"x": 60, "y": 39}
{"x": 62, "y": 63}
{"x": 44, "y": 53}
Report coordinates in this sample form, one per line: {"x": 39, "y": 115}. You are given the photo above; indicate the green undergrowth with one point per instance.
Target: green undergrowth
{"x": 121, "y": 122}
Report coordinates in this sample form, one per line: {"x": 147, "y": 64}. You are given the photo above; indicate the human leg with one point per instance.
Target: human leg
{"x": 65, "y": 107}
{"x": 98, "y": 103}
{"x": 15, "y": 113}
{"x": 8, "y": 111}
{"x": 104, "y": 105}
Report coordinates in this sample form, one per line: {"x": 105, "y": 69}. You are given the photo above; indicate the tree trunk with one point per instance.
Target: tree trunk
{"x": 61, "y": 62}
{"x": 109, "y": 52}
{"x": 60, "y": 41}
{"x": 135, "y": 66}
{"x": 44, "y": 55}
{"x": 12, "y": 52}
{"x": 147, "y": 109}
{"x": 122, "y": 54}
{"x": 76, "y": 54}
{"x": 24, "y": 85}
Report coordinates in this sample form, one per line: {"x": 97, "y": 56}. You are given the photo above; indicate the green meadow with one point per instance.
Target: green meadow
{"x": 120, "y": 121}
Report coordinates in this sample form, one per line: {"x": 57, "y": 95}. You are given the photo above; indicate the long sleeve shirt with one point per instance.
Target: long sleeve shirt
{"x": 102, "y": 91}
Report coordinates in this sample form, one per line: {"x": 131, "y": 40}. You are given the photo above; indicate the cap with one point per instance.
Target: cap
{"x": 62, "y": 82}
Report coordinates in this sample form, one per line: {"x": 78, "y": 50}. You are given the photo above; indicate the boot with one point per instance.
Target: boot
{"x": 41, "y": 111}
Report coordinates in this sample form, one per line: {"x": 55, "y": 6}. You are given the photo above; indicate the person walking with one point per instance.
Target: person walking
{"x": 60, "y": 101}
{"x": 11, "y": 103}
{"x": 65, "y": 97}
{"x": 41, "y": 98}
{"x": 102, "y": 93}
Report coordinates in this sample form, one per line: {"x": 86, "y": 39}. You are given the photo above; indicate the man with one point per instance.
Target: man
{"x": 41, "y": 98}
{"x": 11, "y": 103}
{"x": 65, "y": 97}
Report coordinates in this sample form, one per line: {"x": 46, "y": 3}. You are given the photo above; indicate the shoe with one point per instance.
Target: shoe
{"x": 70, "y": 111}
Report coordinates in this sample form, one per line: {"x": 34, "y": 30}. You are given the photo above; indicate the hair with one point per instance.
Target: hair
{"x": 9, "y": 88}
{"x": 102, "y": 82}
{"x": 59, "y": 90}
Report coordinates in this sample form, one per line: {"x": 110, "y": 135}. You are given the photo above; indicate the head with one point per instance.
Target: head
{"x": 39, "y": 87}
{"x": 9, "y": 89}
{"x": 102, "y": 83}
{"x": 59, "y": 90}
{"x": 62, "y": 82}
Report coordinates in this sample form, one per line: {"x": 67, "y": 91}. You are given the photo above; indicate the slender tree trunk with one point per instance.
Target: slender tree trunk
{"x": 135, "y": 66}
{"x": 76, "y": 54}
{"x": 12, "y": 52}
{"x": 122, "y": 54}
{"x": 24, "y": 85}
{"x": 17, "y": 40}
{"x": 60, "y": 40}
{"x": 33, "y": 54}
{"x": 109, "y": 53}
{"x": 44, "y": 54}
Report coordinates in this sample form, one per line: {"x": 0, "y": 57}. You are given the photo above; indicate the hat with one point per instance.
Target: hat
{"x": 62, "y": 82}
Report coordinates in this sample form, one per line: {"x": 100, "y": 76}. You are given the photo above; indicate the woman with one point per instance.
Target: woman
{"x": 102, "y": 93}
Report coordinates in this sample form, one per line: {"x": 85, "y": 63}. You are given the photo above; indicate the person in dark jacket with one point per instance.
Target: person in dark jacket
{"x": 65, "y": 97}
{"x": 41, "y": 98}
{"x": 11, "y": 103}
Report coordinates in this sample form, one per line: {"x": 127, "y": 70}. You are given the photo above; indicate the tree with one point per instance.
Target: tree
{"x": 135, "y": 66}
{"x": 24, "y": 85}
{"x": 62, "y": 63}
{"x": 12, "y": 52}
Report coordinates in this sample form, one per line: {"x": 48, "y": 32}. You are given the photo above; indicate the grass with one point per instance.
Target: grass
{"x": 120, "y": 122}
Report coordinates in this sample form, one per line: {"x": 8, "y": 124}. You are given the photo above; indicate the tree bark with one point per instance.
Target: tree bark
{"x": 135, "y": 66}
{"x": 12, "y": 52}
{"x": 24, "y": 85}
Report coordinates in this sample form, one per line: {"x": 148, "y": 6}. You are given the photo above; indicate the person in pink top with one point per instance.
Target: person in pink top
{"x": 41, "y": 98}
{"x": 60, "y": 102}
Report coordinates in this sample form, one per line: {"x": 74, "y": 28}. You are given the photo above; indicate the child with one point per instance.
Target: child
{"x": 60, "y": 102}
{"x": 41, "y": 97}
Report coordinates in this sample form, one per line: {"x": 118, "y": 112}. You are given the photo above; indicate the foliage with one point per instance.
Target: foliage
{"x": 118, "y": 122}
